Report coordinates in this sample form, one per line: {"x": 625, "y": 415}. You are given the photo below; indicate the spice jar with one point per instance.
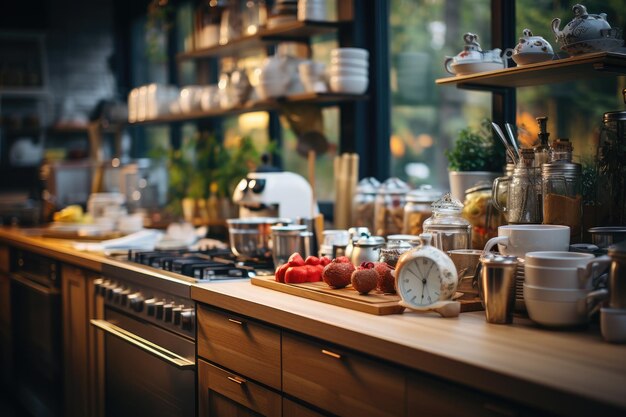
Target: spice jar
{"x": 418, "y": 208}
{"x": 392, "y": 252}
{"x": 364, "y": 202}
{"x": 562, "y": 197}
{"x": 389, "y": 207}
{"x": 449, "y": 229}
{"x": 480, "y": 212}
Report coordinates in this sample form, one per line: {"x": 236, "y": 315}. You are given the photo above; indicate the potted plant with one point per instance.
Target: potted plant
{"x": 475, "y": 157}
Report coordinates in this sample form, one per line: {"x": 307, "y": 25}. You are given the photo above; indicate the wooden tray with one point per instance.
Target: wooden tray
{"x": 372, "y": 303}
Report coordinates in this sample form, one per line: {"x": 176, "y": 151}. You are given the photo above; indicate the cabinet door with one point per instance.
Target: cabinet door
{"x": 224, "y": 394}
{"x": 342, "y": 382}
{"x": 80, "y": 344}
{"x": 5, "y": 319}
{"x": 245, "y": 346}
{"x": 293, "y": 409}
{"x": 432, "y": 397}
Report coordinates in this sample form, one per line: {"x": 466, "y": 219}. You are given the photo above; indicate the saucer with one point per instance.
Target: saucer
{"x": 466, "y": 68}
{"x": 593, "y": 45}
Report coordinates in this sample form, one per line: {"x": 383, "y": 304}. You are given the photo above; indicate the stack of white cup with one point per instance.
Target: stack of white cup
{"x": 349, "y": 70}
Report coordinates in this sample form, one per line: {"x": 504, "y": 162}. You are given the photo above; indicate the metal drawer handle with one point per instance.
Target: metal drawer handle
{"x": 236, "y": 322}
{"x": 237, "y": 380}
{"x": 143, "y": 344}
{"x": 331, "y": 354}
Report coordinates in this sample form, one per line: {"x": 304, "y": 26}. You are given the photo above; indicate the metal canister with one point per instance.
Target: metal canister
{"x": 617, "y": 277}
{"x": 562, "y": 196}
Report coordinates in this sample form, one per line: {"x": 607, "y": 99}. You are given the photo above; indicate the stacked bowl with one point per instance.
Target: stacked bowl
{"x": 312, "y": 10}
{"x": 349, "y": 70}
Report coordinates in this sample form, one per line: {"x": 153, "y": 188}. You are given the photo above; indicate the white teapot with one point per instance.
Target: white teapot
{"x": 583, "y": 27}
{"x": 530, "y": 49}
{"x": 473, "y": 59}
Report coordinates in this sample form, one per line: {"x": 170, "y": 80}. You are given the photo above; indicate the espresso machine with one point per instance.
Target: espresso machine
{"x": 275, "y": 194}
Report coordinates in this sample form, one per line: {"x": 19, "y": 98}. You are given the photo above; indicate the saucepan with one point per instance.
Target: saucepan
{"x": 251, "y": 237}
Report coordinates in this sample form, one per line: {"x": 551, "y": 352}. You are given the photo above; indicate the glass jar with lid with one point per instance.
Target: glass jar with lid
{"x": 562, "y": 196}
{"x": 418, "y": 208}
{"x": 364, "y": 202}
{"x": 449, "y": 229}
{"x": 389, "y": 207}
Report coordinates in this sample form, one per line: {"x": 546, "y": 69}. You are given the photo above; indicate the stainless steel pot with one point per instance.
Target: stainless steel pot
{"x": 604, "y": 237}
{"x": 251, "y": 237}
{"x": 367, "y": 249}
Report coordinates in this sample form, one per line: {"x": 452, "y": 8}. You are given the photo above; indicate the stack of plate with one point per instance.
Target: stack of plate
{"x": 312, "y": 10}
{"x": 283, "y": 12}
{"x": 520, "y": 276}
{"x": 349, "y": 70}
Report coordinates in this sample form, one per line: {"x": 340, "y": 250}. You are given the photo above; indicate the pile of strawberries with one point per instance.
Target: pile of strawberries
{"x": 338, "y": 273}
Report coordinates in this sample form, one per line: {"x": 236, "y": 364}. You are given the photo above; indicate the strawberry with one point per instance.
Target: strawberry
{"x": 296, "y": 275}
{"x": 295, "y": 259}
{"x": 312, "y": 260}
{"x": 280, "y": 272}
{"x": 313, "y": 272}
{"x": 325, "y": 260}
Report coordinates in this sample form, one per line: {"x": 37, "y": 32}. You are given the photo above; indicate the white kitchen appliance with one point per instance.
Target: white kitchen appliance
{"x": 275, "y": 194}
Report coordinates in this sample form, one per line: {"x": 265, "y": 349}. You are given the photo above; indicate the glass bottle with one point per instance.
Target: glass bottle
{"x": 449, "y": 229}
{"x": 418, "y": 208}
{"x": 561, "y": 150}
{"x": 389, "y": 207}
{"x": 542, "y": 151}
{"x": 363, "y": 203}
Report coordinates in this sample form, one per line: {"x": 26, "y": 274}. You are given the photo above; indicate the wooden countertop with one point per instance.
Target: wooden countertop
{"x": 571, "y": 372}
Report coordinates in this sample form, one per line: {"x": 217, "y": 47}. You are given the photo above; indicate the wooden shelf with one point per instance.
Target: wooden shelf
{"x": 326, "y": 99}
{"x": 550, "y": 72}
{"x": 288, "y": 32}
{"x": 23, "y": 92}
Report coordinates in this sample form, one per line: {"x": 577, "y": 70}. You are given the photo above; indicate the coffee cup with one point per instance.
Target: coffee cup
{"x": 565, "y": 270}
{"x": 518, "y": 239}
{"x": 613, "y": 324}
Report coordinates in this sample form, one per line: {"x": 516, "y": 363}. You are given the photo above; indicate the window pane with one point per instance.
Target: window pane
{"x": 426, "y": 118}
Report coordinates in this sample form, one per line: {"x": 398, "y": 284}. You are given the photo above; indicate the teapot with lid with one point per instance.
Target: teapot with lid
{"x": 585, "y": 27}
{"x": 530, "y": 49}
{"x": 473, "y": 59}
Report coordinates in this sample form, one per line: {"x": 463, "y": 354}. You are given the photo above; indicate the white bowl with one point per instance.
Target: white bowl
{"x": 350, "y": 85}
{"x": 348, "y": 71}
{"x": 349, "y": 62}
{"x": 350, "y": 53}
{"x": 557, "y": 314}
{"x": 269, "y": 90}
{"x": 554, "y": 294}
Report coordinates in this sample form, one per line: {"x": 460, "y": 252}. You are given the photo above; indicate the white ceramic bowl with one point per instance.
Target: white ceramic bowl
{"x": 350, "y": 85}
{"x": 348, "y": 71}
{"x": 349, "y": 62}
{"x": 273, "y": 89}
{"x": 557, "y": 314}
{"x": 555, "y": 278}
{"x": 350, "y": 53}
{"x": 554, "y": 294}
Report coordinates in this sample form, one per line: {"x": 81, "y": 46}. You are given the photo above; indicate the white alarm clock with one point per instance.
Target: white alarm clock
{"x": 426, "y": 279}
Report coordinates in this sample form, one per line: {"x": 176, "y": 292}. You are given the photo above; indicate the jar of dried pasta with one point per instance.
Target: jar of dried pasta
{"x": 389, "y": 207}
{"x": 364, "y": 202}
{"x": 418, "y": 208}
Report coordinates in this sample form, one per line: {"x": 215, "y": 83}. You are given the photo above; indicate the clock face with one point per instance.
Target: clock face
{"x": 419, "y": 282}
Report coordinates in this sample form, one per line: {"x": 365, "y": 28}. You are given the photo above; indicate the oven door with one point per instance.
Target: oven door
{"x": 36, "y": 315}
{"x": 149, "y": 371}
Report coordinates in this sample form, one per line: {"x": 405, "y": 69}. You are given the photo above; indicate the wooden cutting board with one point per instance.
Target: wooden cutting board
{"x": 373, "y": 303}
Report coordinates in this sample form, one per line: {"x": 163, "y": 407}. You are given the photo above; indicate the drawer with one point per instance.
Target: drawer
{"x": 341, "y": 382}
{"x": 241, "y": 345}
{"x": 219, "y": 389}
{"x": 293, "y": 409}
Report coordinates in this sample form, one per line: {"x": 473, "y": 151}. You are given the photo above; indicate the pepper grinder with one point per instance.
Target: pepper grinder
{"x": 542, "y": 151}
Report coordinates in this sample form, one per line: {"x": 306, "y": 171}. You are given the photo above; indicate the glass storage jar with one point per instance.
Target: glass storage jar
{"x": 363, "y": 203}
{"x": 389, "y": 207}
{"x": 418, "y": 208}
{"x": 523, "y": 192}
{"x": 562, "y": 196}
{"x": 449, "y": 229}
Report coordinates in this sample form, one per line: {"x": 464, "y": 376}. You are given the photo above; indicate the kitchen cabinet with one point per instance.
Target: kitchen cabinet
{"x": 5, "y": 318}
{"x": 82, "y": 345}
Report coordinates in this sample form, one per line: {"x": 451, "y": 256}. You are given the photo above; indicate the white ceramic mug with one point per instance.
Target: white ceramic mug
{"x": 518, "y": 239}
{"x": 565, "y": 270}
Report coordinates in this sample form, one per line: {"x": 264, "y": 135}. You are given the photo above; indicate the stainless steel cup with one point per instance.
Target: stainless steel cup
{"x": 497, "y": 287}
{"x": 289, "y": 239}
